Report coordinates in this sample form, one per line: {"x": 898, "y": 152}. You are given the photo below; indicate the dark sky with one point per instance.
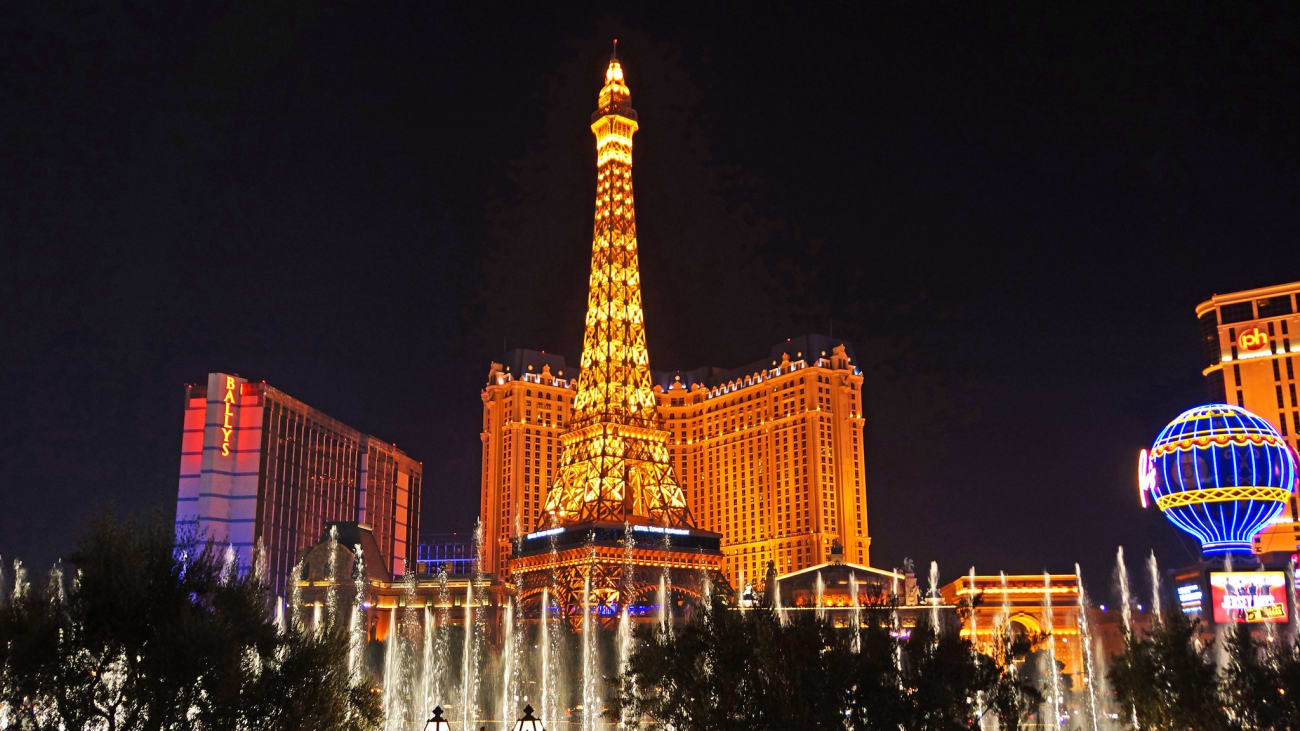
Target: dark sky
{"x": 1011, "y": 212}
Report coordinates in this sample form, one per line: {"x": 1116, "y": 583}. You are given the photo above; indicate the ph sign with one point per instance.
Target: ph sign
{"x": 1252, "y": 339}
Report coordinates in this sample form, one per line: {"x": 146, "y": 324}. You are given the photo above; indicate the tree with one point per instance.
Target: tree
{"x": 155, "y": 635}
{"x": 1012, "y": 695}
{"x": 727, "y": 669}
{"x": 1169, "y": 677}
{"x": 1258, "y": 685}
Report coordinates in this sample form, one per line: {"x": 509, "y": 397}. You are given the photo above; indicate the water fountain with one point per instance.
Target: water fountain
{"x": 1154, "y": 569}
{"x": 1085, "y": 637}
{"x": 473, "y": 631}
{"x": 228, "y": 564}
{"x": 666, "y": 581}
{"x": 970, "y": 607}
{"x": 856, "y": 615}
{"x": 390, "y": 671}
{"x": 331, "y": 575}
{"x": 440, "y": 685}
{"x": 625, "y": 720}
{"x": 1050, "y": 628}
{"x": 469, "y": 663}
{"x": 777, "y": 606}
{"x": 427, "y": 629}
{"x": 261, "y": 571}
{"x": 295, "y": 598}
{"x": 279, "y": 615}
{"x": 896, "y": 627}
{"x": 662, "y": 598}
{"x": 1126, "y": 611}
{"x": 933, "y": 596}
{"x": 507, "y": 664}
{"x": 357, "y": 635}
{"x": 1004, "y": 630}
{"x": 555, "y": 629}
{"x": 974, "y": 640}
{"x": 1125, "y": 598}
{"x": 547, "y": 708}
{"x": 589, "y": 653}
{"x": 821, "y": 591}
{"x": 54, "y": 584}
{"x": 1290, "y": 588}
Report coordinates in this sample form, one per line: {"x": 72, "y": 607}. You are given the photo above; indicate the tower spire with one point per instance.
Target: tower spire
{"x": 614, "y": 465}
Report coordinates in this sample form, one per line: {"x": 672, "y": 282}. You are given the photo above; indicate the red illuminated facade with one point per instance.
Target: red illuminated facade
{"x": 258, "y": 464}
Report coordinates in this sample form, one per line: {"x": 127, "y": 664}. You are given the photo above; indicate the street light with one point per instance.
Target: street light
{"x": 437, "y": 723}
{"x": 528, "y": 723}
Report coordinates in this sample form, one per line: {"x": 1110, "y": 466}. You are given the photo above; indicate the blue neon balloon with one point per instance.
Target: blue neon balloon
{"x": 1220, "y": 473}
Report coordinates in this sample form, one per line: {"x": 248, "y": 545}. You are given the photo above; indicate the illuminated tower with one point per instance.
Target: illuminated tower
{"x": 615, "y": 476}
{"x": 614, "y": 464}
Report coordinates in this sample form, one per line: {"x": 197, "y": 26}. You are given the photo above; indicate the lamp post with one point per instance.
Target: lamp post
{"x": 528, "y": 723}
{"x": 437, "y": 722}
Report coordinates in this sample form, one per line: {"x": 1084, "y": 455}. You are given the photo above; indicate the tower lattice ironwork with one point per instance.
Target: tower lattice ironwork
{"x": 616, "y": 523}
{"x": 614, "y": 463}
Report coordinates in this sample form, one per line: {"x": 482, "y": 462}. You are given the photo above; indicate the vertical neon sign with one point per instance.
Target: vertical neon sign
{"x": 1146, "y": 477}
{"x": 228, "y": 411}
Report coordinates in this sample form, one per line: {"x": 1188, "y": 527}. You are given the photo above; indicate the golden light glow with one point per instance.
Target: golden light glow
{"x": 1252, "y": 339}
{"x": 614, "y": 463}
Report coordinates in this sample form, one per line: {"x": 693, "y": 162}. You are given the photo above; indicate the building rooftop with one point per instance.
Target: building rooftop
{"x": 522, "y": 361}
{"x": 810, "y": 345}
{"x": 1247, "y": 295}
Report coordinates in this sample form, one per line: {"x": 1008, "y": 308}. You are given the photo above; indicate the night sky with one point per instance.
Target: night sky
{"x": 1011, "y": 212}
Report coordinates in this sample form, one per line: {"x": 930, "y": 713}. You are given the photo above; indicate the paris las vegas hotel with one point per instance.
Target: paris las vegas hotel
{"x": 769, "y": 455}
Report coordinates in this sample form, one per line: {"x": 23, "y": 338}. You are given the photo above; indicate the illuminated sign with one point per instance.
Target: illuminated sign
{"x": 1248, "y": 596}
{"x": 657, "y": 529}
{"x": 1189, "y": 598}
{"x": 1252, "y": 339}
{"x": 228, "y": 412}
{"x": 1146, "y": 477}
{"x": 544, "y": 533}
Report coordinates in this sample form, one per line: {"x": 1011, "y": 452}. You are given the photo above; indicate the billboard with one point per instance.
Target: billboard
{"x": 1248, "y": 596}
{"x": 1189, "y": 598}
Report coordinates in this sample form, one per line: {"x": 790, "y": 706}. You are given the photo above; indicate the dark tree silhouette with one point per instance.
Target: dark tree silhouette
{"x": 1169, "y": 677}
{"x": 740, "y": 670}
{"x": 1259, "y": 684}
{"x": 143, "y": 633}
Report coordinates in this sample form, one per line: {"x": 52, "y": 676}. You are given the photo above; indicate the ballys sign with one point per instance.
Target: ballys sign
{"x": 227, "y": 413}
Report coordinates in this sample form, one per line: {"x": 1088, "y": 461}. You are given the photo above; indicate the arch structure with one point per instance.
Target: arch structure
{"x": 604, "y": 567}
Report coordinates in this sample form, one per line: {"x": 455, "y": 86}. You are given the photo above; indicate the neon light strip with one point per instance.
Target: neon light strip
{"x": 657, "y": 529}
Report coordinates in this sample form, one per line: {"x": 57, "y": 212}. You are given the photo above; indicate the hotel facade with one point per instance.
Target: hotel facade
{"x": 770, "y": 455}
{"x": 1251, "y": 345}
{"x": 258, "y": 465}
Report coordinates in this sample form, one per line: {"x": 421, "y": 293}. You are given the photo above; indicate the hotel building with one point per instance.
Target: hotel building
{"x": 258, "y": 465}
{"x": 1251, "y": 343}
{"x": 770, "y": 455}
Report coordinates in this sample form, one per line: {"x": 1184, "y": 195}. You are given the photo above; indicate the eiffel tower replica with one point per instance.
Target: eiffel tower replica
{"x": 615, "y": 516}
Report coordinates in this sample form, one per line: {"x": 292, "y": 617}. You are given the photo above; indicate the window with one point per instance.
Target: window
{"x": 1239, "y": 312}
{"x": 1274, "y": 306}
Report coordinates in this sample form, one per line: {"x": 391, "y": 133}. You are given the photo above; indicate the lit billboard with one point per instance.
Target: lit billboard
{"x": 1248, "y": 596}
{"x": 1189, "y": 598}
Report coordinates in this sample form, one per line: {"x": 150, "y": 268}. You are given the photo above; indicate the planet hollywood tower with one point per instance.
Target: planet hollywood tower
{"x": 615, "y": 515}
